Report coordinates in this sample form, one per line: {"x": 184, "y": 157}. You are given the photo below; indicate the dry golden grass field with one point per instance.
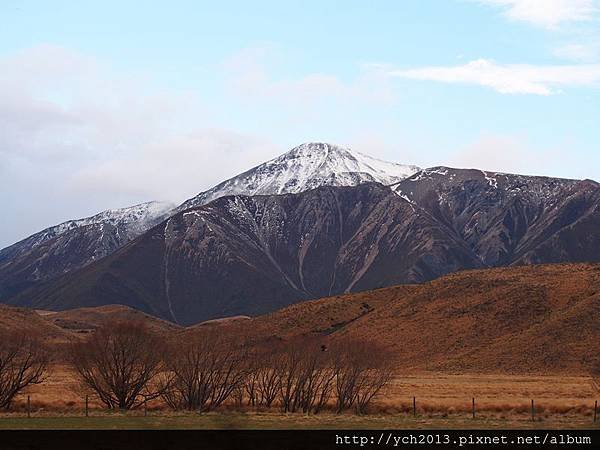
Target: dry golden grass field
{"x": 442, "y": 400}
{"x": 503, "y": 336}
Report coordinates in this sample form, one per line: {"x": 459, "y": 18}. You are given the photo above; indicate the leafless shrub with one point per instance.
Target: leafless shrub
{"x": 360, "y": 372}
{"x": 23, "y": 362}
{"x": 267, "y": 379}
{"x": 206, "y": 371}
{"x": 302, "y": 371}
{"x": 303, "y": 375}
{"x": 249, "y": 386}
{"x": 316, "y": 380}
{"x": 288, "y": 374}
{"x": 237, "y": 395}
{"x": 262, "y": 381}
{"x": 121, "y": 363}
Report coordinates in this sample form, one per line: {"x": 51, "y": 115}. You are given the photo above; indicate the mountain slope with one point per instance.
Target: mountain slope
{"x": 512, "y": 219}
{"x": 73, "y": 244}
{"x": 251, "y": 255}
{"x": 534, "y": 319}
{"x": 540, "y": 319}
{"x": 24, "y": 320}
{"x": 306, "y": 167}
{"x": 85, "y": 320}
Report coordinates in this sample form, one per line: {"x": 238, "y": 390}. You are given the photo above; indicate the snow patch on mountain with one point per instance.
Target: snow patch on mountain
{"x": 306, "y": 167}
{"x": 136, "y": 219}
{"x": 538, "y": 189}
{"x": 131, "y": 221}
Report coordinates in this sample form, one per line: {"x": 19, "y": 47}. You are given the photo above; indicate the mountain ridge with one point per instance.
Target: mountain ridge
{"x": 505, "y": 217}
{"x": 73, "y": 244}
{"x": 248, "y": 255}
{"x": 69, "y": 246}
{"x": 306, "y": 167}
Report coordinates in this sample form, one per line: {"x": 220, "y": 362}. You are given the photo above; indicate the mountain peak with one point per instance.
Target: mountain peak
{"x": 307, "y": 166}
{"x": 316, "y": 149}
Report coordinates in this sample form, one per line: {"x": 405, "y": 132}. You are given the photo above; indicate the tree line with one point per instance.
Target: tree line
{"x": 125, "y": 365}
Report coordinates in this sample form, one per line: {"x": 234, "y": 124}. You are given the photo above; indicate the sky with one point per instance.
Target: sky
{"x": 108, "y": 104}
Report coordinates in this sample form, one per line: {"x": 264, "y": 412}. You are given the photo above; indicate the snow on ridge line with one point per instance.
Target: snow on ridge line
{"x": 128, "y": 215}
{"x": 306, "y": 167}
{"x": 136, "y": 218}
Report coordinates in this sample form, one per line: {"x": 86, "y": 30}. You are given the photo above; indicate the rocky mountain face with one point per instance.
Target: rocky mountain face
{"x": 512, "y": 219}
{"x": 252, "y": 255}
{"x": 73, "y": 244}
{"x": 305, "y": 167}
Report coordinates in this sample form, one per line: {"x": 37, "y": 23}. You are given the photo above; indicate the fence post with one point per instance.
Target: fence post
{"x": 86, "y": 406}
{"x": 28, "y": 406}
{"x": 532, "y": 411}
{"x": 595, "y": 410}
{"x": 414, "y": 406}
{"x": 473, "y": 407}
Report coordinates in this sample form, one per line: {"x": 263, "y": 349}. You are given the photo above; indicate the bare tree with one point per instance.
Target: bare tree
{"x": 346, "y": 378}
{"x": 121, "y": 363}
{"x": 303, "y": 374}
{"x": 250, "y": 384}
{"x": 268, "y": 380}
{"x": 237, "y": 396}
{"x": 206, "y": 371}
{"x": 288, "y": 373}
{"x": 315, "y": 381}
{"x": 372, "y": 381}
{"x": 23, "y": 362}
{"x": 361, "y": 371}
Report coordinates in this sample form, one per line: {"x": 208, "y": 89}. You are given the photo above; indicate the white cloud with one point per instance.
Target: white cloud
{"x": 77, "y": 138}
{"x": 249, "y": 74}
{"x": 509, "y": 78}
{"x": 516, "y": 153}
{"x": 582, "y": 52}
{"x": 508, "y": 154}
{"x": 547, "y": 13}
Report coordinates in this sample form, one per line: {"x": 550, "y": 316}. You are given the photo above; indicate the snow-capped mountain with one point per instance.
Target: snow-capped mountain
{"x": 250, "y": 254}
{"x": 247, "y": 255}
{"x": 129, "y": 221}
{"x": 74, "y": 244}
{"x": 306, "y": 167}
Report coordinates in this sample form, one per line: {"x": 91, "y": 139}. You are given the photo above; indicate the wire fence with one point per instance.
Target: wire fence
{"x": 415, "y": 410}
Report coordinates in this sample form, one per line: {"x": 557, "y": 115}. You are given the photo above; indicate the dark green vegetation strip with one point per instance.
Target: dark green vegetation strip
{"x": 275, "y": 421}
